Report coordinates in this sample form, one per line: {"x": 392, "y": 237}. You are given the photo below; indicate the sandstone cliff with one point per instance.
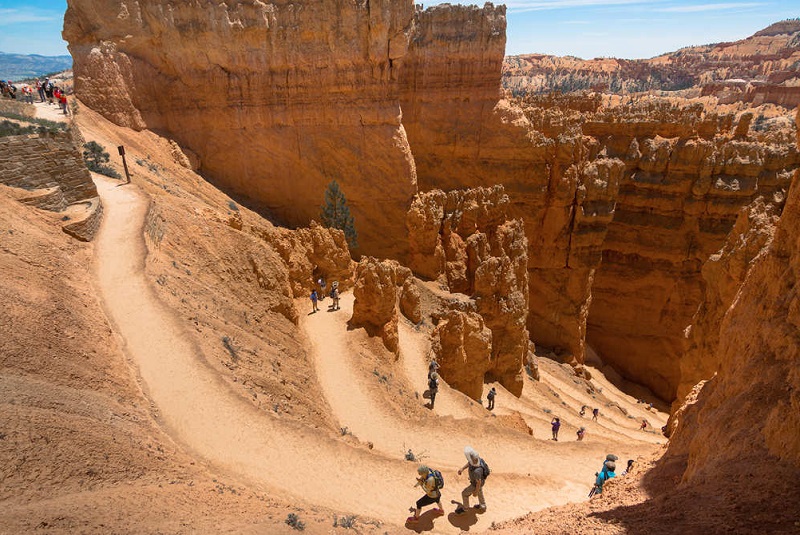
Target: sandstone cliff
{"x": 761, "y": 68}
{"x": 276, "y": 99}
{"x": 747, "y": 415}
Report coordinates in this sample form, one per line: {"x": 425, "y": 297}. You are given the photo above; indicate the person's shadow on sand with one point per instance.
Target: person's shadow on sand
{"x": 463, "y": 521}
{"x": 425, "y": 522}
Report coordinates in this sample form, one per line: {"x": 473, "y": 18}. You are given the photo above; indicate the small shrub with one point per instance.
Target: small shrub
{"x": 228, "y": 343}
{"x": 232, "y": 206}
{"x": 96, "y": 158}
{"x": 344, "y": 431}
{"x": 347, "y": 522}
{"x": 294, "y": 521}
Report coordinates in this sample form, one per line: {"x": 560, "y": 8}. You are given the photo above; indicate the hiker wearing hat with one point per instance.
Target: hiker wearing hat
{"x": 478, "y": 472}
{"x": 608, "y": 472}
{"x": 431, "y": 482}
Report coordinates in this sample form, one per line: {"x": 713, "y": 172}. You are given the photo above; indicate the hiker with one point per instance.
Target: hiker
{"x": 490, "y": 396}
{"x": 583, "y": 411}
{"x": 433, "y": 387}
{"x": 644, "y": 425}
{"x": 431, "y": 482}
{"x": 629, "y": 468}
{"x": 433, "y": 367}
{"x": 335, "y": 295}
{"x": 313, "y": 298}
{"x": 605, "y": 475}
{"x": 322, "y": 285}
{"x": 581, "y": 433}
{"x": 556, "y": 423}
{"x": 40, "y": 90}
{"x": 478, "y": 472}
{"x": 62, "y": 100}
{"x": 595, "y": 413}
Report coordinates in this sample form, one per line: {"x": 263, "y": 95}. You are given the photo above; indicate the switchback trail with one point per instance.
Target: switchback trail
{"x": 289, "y": 460}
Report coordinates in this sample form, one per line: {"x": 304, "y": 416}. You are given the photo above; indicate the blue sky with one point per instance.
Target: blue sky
{"x": 584, "y": 28}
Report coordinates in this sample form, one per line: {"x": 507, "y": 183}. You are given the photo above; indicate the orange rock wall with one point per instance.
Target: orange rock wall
{"x": 276, "y": 99}
{"x": 678, "y": 201}
{"x": 752, "y": 407}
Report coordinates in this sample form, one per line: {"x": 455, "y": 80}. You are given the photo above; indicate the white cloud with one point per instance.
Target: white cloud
{"x": 522, "y": 6}
{"x": 709, "y": 7}
{"x": 21, "y": 16}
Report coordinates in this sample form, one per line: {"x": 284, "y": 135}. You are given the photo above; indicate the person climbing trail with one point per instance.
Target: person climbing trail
{"x": 629, "y": 468}
{"x": 433, "y": 387}
{"x": 478, "y": 472}
{"x": 556, "y": 423}
{"x": 595, "y": 414}
{"x": 431, "y": 482}
{"x": 583, "y": 411}
{"x": 433, "y": 367}
{"x": 644, "y": 425}
{"x": 334, "y": 296}
{"x": 581, "y": 433}
{"x": 313, "y": 298}
{"x": 603, "y": 476}
{"x": 490, "y": 397}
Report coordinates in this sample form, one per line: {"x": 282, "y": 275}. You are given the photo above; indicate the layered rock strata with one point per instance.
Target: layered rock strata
{"x": 50, "y": 173}
{"x": 276, "y": 99}
{"x": 751, "y": 409}
{"x": 723, "y": 275}
{"x": 677, "y": 203}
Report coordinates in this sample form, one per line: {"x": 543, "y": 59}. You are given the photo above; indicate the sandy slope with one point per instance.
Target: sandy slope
{"x": 220, "y": 428}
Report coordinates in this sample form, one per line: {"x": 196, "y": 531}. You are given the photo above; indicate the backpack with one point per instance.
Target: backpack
{"x": 486, "y": 470}
{"x": 439, "y": 478}
{"x": 433, "y": 384}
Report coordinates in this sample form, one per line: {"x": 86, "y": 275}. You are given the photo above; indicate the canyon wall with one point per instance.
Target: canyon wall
{"x": 750, "y": 411}
{"x": 677, "y": 203}
{"x": 276, "y": 99}
{"x": 622, "y": 205}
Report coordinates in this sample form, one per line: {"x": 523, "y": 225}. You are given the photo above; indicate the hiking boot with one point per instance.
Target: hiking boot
{"x": 438, "y": 512}
{"x": 460, "y": 510}
{"x": 412, "y": 519}
{"x": 479, "y": 507}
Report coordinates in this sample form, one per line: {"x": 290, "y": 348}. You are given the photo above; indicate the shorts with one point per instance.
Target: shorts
{"x": 426, "y": 500}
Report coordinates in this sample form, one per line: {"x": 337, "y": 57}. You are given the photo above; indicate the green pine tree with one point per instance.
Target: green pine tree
{"x": 336, "y": 213}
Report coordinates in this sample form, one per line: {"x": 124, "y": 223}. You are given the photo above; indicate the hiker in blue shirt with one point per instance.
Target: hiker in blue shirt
{"x": 605, "y": 475}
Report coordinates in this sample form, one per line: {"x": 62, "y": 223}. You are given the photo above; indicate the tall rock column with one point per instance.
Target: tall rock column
{"x": 466, "y": 240}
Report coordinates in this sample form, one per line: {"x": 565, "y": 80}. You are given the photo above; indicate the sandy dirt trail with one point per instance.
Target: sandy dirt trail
{"x": 201, "y": 412}
{"x": 215, "y": 423}
{"x": 527, "y": 474}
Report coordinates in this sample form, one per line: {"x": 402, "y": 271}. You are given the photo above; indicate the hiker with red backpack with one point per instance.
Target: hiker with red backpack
{"x": 431, "y": 482}
{"x": 478, "y": 472}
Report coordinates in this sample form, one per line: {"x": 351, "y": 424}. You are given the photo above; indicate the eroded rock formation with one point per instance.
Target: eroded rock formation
{"x": 477, "y": 250}
{"x": 376, "y": 291}
{"x": 462, "y": 344}
{"x": 723, "y": 275}
{"x": 309, "y": 253}
{"x": 751, "y": 408}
